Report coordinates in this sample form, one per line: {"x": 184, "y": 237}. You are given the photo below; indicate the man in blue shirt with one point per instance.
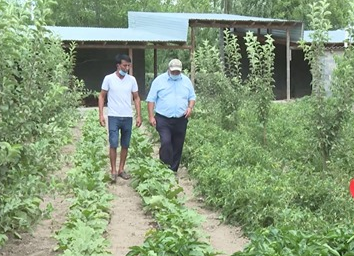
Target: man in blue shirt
{"x": 170, "y": 103}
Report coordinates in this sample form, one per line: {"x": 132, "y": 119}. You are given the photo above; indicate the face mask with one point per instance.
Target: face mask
{"x": 122, "y": 73}
{"x": 175, "y": 77}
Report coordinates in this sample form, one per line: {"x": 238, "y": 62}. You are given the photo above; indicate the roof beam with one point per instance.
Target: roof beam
{"x": 243, "y": 24}
{"x": 125, "y": 46}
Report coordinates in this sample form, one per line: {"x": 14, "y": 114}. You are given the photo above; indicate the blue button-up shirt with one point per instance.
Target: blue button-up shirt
{"x": 171, "y": 97}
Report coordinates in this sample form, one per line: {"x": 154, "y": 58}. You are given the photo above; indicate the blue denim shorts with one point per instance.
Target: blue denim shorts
{"x": 124, "y": 126}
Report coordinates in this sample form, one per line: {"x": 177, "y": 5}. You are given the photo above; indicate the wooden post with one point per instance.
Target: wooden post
{"x": 222, "y": 46}
{"x": 192, "y": 55}
{"x": 288, "y": 59}
{"x": 131, "y": 57}
{"x": 155, "y": 62}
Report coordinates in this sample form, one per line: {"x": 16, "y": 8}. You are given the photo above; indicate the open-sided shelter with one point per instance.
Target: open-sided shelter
{"x": 96, "y": 47}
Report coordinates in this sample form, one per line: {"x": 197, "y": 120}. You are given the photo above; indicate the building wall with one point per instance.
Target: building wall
{"x": 92, "y": 65}
{"x": 329, "y": 65}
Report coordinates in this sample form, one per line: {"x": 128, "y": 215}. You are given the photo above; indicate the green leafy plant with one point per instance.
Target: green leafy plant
{"x": 220, "y": 82}
{"x": 176, "y": 230}
{"x": 38, "y": 101}
{"x": 82, "y": 233}
{"x": 273, "y": 187}
{"x": 260, "y": 80}
{"x": 329, "y": 108}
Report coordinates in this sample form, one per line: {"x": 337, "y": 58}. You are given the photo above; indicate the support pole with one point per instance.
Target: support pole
{"x": 131, "y": 57}
{"x": 192, "y": 55}
{"x": 288, "y": 59}
{"x": 155, "y": 63}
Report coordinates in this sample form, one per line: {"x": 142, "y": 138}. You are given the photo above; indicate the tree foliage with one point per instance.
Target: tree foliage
{"x": 114, "y": 13}
{"x": 287, "y": 9}
{"x": 260, "y": 79}
{"x": 38, "y": 99}
{"x": 330, "y": 109}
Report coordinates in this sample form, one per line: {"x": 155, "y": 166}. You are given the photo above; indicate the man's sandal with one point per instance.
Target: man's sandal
{"x": 124, "y": 175}
{"x": 114, "y": 177}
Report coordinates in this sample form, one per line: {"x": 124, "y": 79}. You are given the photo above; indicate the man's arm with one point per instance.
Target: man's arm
{"x": 151, "y": 106}
{"x": 191, "y": 104}
{"x": 101, "y": 99}
{"x": 137, "y": 103}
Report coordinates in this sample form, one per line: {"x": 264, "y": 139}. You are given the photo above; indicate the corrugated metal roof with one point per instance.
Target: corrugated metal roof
{"x": 178, "y": 22}
{"x": 113, "y": 34}
{"x": 161, "y": 25}
{"x": 168, "y": 27}
{"x": 335, "y": 36}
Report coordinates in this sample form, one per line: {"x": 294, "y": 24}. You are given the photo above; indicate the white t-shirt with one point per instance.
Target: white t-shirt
{"x": 119, "y": 94}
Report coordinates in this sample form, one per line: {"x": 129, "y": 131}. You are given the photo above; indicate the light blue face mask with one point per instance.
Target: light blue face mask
{"x": 122, "y": 73}
{"x": 175, "y": 77}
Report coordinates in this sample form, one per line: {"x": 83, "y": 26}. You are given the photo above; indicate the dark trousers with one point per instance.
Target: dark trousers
{"x": 172, "y": 133}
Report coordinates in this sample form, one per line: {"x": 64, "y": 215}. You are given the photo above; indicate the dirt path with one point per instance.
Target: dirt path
{"x": 128, "y": 223}
{"x": 224, "y": 238}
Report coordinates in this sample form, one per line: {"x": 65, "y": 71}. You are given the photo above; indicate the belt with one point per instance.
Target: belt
{"x": 157, "y": 114}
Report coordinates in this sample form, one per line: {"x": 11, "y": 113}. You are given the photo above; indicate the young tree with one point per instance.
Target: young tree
{"x": 260, "y": 80}
{"x": 38, "y": 101}
{"x": 329, "y": 112}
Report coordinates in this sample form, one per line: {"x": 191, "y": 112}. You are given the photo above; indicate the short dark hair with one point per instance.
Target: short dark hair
{"x": 121, "y": 57}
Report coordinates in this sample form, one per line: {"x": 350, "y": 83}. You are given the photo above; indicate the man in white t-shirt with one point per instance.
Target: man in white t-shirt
{"x": 120, "y": 88}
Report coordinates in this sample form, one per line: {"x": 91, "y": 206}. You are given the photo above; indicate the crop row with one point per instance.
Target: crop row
{"x": 176, "y": 230}
{"x": 89, "y": 215}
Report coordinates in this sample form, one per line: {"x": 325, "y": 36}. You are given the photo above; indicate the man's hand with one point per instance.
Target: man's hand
{"x": 102, "y": 121}
{"x": 138, "y": 121}
{"x": 152, "y": 121}
{"x": 188, "y": 112}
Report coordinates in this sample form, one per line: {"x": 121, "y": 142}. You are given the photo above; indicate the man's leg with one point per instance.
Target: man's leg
{"x": 113, "y": 159}
{"x": 113, "y": 142}
{"x": 163, "y": 128}
{"x": 178, "y": 137}
{"x": 126, "y": 126}
{"x": 123, "y": 158}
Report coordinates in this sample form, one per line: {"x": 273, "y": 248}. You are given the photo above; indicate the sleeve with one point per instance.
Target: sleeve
{"x": 135, "y": 87}
{"x": 152, "y": 95}
{"x": 105, "y": 84}
{"x": 192, "y": 95}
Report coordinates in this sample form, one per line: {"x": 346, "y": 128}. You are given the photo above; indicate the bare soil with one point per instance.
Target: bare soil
{"x": 224, "y": 238}
{"x": 128, "y": 224}
{"x": 40, "y": 241}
